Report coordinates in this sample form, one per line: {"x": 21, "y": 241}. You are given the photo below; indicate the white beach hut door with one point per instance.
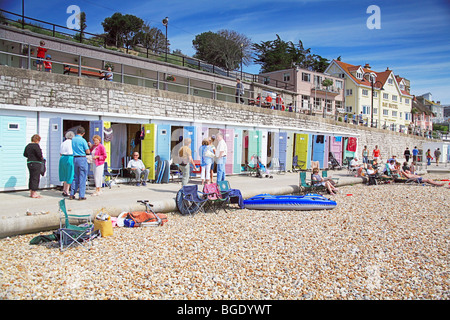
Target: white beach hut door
{"x": 55, "y": 138}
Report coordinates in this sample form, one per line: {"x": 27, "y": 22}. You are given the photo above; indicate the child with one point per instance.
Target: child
{"x": 41, "y": 51}
{"x": 48, "y": 64}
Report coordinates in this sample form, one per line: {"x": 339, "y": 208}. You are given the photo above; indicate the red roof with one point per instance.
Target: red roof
{"x": 381, "y": 76}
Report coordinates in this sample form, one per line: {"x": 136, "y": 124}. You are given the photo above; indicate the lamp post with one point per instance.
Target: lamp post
{"x": 372, "y": 77}
{"x": 242, "y": 57}
{"x": 165, "y": 22}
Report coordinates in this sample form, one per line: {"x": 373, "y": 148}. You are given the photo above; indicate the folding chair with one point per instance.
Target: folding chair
{"x": 277, "y": 166}
{"x": 70, "y": 234}
{"x": 217, "y": 200}
{"x": 304, "y": 184}
{"x": 110, "y": 175}
{"x": 297, "y": 164}
{"x": 325, "y": 176}
{"x": 190, "y": 200}
{"x": 234, "y": 194}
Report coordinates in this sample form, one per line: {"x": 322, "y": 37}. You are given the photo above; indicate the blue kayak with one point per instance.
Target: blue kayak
{"x": 309, "y": 201}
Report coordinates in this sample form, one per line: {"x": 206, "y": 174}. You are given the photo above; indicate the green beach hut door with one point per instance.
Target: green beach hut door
{"x": 12, "y": 142}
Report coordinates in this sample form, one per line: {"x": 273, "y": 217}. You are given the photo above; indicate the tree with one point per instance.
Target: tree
{"x": 122, "y": 29}
{"x": 225, "y": 48}
{"x": 83, "y": 26}
{"x": 279, "y": 55}
{"x": 151, "y": 38}
{"x": 326, "y": 83}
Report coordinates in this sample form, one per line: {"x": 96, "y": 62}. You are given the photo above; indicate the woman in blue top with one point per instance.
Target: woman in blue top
{"x": 207, "y": 154}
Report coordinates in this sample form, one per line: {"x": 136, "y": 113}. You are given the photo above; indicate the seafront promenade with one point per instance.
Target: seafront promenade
{"x": 43, "y": 213}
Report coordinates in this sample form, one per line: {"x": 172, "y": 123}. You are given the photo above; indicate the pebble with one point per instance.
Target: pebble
{"x": 383, "y": 242}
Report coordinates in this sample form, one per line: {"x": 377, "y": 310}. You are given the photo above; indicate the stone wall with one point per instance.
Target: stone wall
{"x": 23, "y": 87}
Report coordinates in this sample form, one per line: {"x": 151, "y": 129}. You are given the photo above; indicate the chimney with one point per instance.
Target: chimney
{"x": 387, "y": 69}
{"x": 367, "y": 66}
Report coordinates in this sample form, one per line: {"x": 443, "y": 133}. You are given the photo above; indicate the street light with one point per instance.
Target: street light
{"x": 165, "y": 22}
{"x": 372, "y": 76}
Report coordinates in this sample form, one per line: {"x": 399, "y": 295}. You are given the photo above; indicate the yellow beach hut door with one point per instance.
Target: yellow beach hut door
{"x": 148, "y": 146}
{"x": 301, "y": 149}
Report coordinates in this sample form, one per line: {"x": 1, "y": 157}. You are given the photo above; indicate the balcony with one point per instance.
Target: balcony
{"x": 331, "y": 91}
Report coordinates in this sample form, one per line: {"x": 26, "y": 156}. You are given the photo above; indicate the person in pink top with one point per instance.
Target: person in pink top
{"x": 99, "y": 156}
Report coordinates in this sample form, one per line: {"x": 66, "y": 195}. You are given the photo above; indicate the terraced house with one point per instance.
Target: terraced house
{"x": 387, "y": 93}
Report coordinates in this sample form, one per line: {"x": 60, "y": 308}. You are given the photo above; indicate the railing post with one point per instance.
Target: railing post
{"x": 79, "y": 65}
{"x": 189, "y": 86}
{"x": 121, "y": 73}
{"x": 29, "y": 57}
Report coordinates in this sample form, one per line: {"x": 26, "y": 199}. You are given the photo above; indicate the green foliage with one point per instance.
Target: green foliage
{"x": 279, "y": 55}
{"x": 224, "y": 48}
{"x": 122, "y": 29}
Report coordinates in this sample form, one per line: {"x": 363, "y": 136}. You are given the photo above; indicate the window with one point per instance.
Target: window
{"x": 318, "y": 103}
{"x": 306, "y": 77}
{"x": 394, "y": 97}
{"x": 391, "y": 81}
{"x": 394, "y": 114}
{"x": 305, "y": 102}
{"x": 329, "y": 105}
{"x": 375, "y": 94}
{"x": 365, "y": 92}
{"x": 385, "y": 112}
{"x": 339, "y": 84}
{"x": 359, "y": 75}
{"x": 348, "y": 92}
{"x": 385, "y": 95}
{"x": 375, "y": 110}
{"x": 338, "y": 104}
{"x": 408, "y": 116}
{"x": 13, "y": 126}
{"x": 286, "y": 77}
{"x": 406, "y": 101}
{"x": 317, "y": 80}
{"x": 348, "y": 109}
{"x": 366, "y": 109}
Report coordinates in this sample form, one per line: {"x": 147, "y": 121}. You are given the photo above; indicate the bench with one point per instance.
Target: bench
{"x": 92, "y": 72}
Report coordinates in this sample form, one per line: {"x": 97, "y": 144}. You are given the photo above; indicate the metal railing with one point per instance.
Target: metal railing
{"x": 22, "y": 57}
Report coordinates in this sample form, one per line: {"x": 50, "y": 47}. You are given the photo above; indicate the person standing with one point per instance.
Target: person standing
{"x": 99, "y": 156}
{"x": 429, "y": 157}
{"x": 407, "y": 154}
{"x": 185, "y": 153}
{"x": 80, "y": 149}
{"x": 239, "y": 91}
{"x": 207, "y": 155}
{"x": 48, "y": 63}
{"x": 415, "y": 153}
{"x": 41, "y": 51}
{"x": 33, "y": 153}
{"x": 66, "y": 170}
{"x": 365, "y": 155}
{"x": 437, "y": 155}
{"x": 221, "y": 154}
{"x": 376, "y": 154}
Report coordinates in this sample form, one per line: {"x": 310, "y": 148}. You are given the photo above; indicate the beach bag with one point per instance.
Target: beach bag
{"x": 104, "y": 226}
{"x": 141, "y": 217}
{"x": 43, "y": 167}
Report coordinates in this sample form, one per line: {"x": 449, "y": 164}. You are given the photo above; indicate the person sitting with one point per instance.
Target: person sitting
{"x": 372, "y": 174}
{"x": 355, "y": 166}
{"x": 317, "y": 180}
{"x": 405, "y": 166}
{"x": 420, "y": 179}
{"x": 138, "y": 168}
{"x": 268, "y": 101}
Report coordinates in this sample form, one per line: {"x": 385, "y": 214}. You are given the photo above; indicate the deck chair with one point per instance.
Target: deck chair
{"x": 306, "y": 185}
{"x": 277, "y": 166}
{"x": 190, "y": 201}
{"x": 297, "y": 164}
{"x": 325, "y": 176}
{"x": 70, "y": 234}
{"x": 110, "y": 175}
{"x": 252, "y": 167}
{"x": 234, "y": 194}
{"x": 217, "y": 200}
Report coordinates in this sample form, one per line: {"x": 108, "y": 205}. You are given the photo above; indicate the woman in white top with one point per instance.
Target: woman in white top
{"x": 66, "y": 168}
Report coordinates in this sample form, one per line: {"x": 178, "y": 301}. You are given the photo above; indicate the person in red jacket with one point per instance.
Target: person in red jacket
{"x": 41, "y": 51}
{"x": 48, "y": 63}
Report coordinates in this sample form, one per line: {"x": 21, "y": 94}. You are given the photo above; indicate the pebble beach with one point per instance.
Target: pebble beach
{"x": 382, "y": 242}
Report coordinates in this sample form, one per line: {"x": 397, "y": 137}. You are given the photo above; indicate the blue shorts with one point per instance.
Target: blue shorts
{"x": 39, "y": 61}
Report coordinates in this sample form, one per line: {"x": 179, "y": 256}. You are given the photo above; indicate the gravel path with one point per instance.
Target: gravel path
{"x": 380, "y": 242}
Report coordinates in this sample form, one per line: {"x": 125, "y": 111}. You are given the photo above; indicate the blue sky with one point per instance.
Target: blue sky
{"x": 413, "y": 41}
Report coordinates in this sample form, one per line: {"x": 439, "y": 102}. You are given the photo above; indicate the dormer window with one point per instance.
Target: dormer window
{"x": 359, "y": 75}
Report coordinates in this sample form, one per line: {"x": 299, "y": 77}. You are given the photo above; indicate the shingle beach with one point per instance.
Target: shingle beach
{"x": 381, "y": 242}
